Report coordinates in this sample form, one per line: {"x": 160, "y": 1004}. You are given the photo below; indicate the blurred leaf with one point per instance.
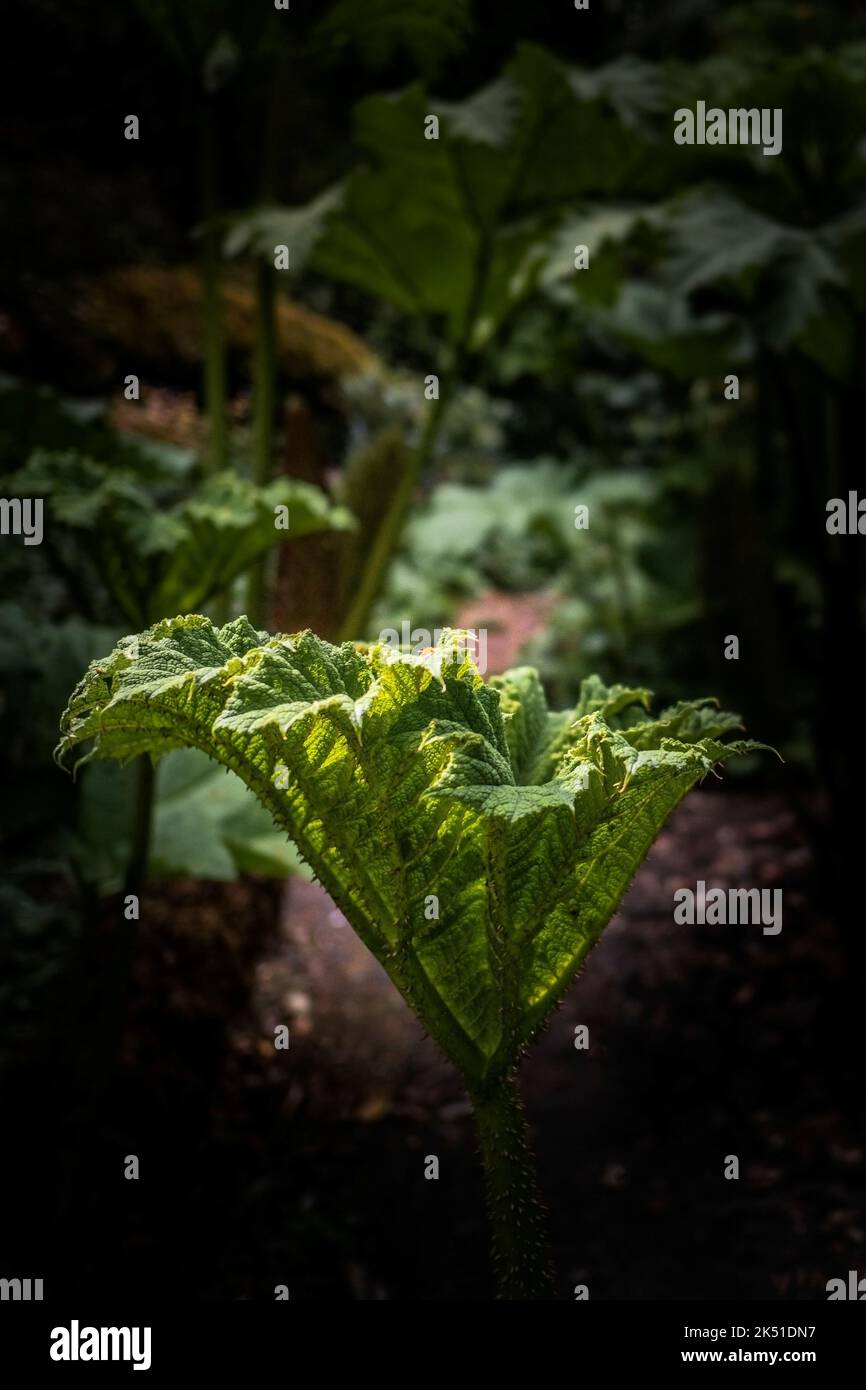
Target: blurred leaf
{"x": 156, "y": 554}
{"x": 206, "y": 824}
{"x": 380, "y": 30}
{"x": 260, "y": 231}
{"x": 36, "y": 417}
{"x": 717, "y": 240}
{"x": 671, "y": 334}
{"x": 459, "y": 228}
{"x": 631, "y": 86}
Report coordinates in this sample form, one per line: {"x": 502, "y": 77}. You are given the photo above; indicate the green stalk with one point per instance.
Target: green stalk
{"x": 142, "y": 822}
{"x": 264, "y": 401}
{"x": 521, "y": 1247}
{"x": 214, "y": 342}
{"x": 354, "y": 621}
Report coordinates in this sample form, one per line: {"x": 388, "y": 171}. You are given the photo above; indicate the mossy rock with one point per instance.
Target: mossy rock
{"x": 156, "y": 312}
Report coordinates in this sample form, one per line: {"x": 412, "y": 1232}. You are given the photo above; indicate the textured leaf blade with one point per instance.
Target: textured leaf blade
{"x": 405, "y": 782}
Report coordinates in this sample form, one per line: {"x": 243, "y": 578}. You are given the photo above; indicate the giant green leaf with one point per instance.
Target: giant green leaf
{"x": 407, "y": 784}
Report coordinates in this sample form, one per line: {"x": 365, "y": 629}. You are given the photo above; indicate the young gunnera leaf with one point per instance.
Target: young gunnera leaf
{"x": 159, "y": 550}
{"x": 478, "y": 842}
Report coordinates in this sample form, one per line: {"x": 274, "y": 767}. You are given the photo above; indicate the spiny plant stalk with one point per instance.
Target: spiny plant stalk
{"x": 478, "y": 842}
{"x": 518, "y": 1224}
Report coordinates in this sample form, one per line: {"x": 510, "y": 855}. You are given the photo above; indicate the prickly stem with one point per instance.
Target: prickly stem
{"x": 521, "y": 1248}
